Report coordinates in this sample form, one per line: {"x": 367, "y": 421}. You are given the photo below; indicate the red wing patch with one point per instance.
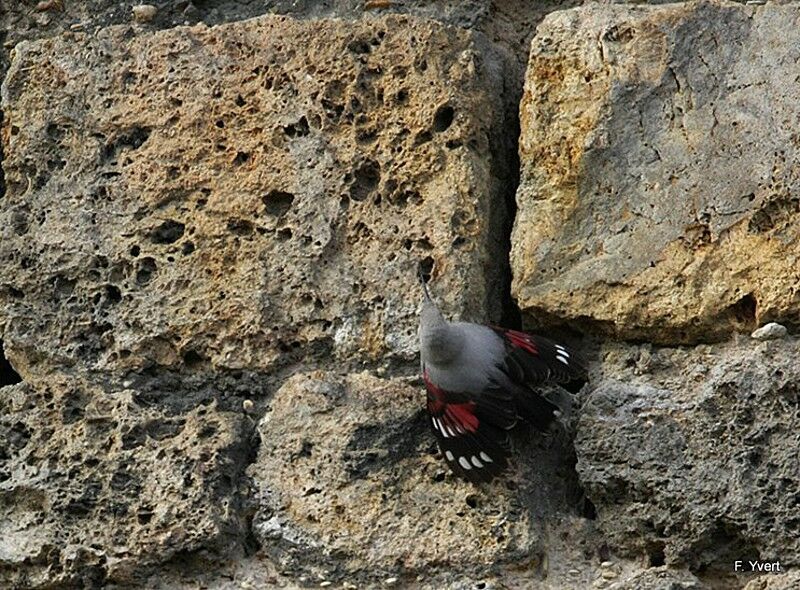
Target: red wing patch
{"x": 462, "y": 416}
{"x": 474, "y": 449}
{"x": 522, "y": 340}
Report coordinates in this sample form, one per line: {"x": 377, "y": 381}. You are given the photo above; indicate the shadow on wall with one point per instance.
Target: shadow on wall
{"x": 8, "y": 376}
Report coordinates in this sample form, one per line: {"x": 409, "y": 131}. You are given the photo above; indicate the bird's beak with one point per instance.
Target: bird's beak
{"x": 422, "y": 282}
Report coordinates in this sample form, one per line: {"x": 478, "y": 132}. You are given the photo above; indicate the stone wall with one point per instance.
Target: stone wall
{"x": 210, "y": 229}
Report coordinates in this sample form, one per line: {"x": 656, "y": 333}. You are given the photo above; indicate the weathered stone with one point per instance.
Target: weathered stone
{"x": 691, "y": 456}
{"x": 144, "y": 13}
{"x": 784, "y": 581}
{"x": 658, "y": 190}
{"x": 659, "y": 578}
{"x": 98, "y": 485}
{"x": 246, "y": 195}
{"x": 349, "y": 488}
{"x": 770, "y": 331}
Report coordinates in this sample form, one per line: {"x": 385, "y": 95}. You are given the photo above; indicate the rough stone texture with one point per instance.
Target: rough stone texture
{"x": 122, "y": 456}
{"x": 771, "y": 331}
{"x": 97, "y": 484}
{"x": 658, "y": 578}
{"x": 691, "y": 456}
{"x": 349, "y": 488}
{"x": 201, "y": 196}
{"x": 658, "y": 197}
{"x": 786, "y": 581}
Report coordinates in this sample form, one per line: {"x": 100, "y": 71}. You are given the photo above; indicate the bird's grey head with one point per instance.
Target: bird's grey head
{"x": 438, "y": 344}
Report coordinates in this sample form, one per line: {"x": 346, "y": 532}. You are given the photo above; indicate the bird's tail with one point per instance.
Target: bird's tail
{"x": 537, "y": 409}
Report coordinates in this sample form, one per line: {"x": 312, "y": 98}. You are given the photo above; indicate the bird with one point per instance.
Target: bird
{"x": 480, "y": 383}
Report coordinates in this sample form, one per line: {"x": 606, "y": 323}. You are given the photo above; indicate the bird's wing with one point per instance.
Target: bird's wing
{"x": 471, "y": 429}
{"x": 531, "y": 360}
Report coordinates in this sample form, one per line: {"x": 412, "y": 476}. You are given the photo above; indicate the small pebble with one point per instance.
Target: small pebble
{"x": 49, "y": 5}
{"x": 248, "y": 405}
{"x": 391, "y": 581}
{"x": 609, "y": 574}
{"x": 607, "y": 564}
{"x": 770, "y": 331}
{"x": 325, "y": 584}
{"x": 144, "y": 13}
{"x": 574, "y": 572}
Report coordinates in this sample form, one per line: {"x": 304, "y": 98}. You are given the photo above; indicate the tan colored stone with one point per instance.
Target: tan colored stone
{"x": 782, "y": 581}
{"x": 144, "y": 13}
{"x": 97, "y": 484}
{"x": 348, "y": 481}
{"x": 247, "y": 195}
{"x": 659, "y": 171}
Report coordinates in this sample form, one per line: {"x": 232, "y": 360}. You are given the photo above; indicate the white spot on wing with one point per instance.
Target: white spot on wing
{"x": 438, "y": 426}
{"x": 464, "y": 463}
{"x": 486, "y": 458}
{"x": 449, "y": 455}
{"x": 563, "y": 359}
{"x": 475, "y": 462}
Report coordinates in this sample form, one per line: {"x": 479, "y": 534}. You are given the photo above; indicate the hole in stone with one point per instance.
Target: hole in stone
{"x": 220, "y": 123}
{"x": 187, "y": 248}
{"x": 135, "y": 251}
{"x": 168, "y": 232}
{"x": 240, "y": 102}
{"x": 132, "y": 139}
{"x": 63, "y": 286}
{"x": 147, "y": 266}
{"x": 240, "y": 227}
{"x": 422, "y": 137}
{"x": 588, "y": 510}
{"x": 73, "y": 408}
{"x": 656, "y": 556}
{"x": 744, "y": 310}
{"x": 113, "y": 293}
{"x": 241, "y": 158}
{"x": 365, "y": 180}
{"x": 192, "y": 358}
{"x": 443, "y": 118}
{"x": 299, "y": 129}
{"x": 8, "y": 376}
{"x": 472, "y": 501}
{"x": 284, "y": 234}
{"x": 277, "y": 203}
{"x": 426, "y": 267}
{"x": 359, "y": 46}
{"x": 144, "y": 516}
{"x": 207, "y": 431}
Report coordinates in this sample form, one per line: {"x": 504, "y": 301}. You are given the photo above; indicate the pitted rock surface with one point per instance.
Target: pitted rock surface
{"x": 95, "y": 484}
{"x": 659, "y": 171}
{"x": 247, "y": 195}
{"x": 350, "y": 483}
{"x": 691, "y": 455}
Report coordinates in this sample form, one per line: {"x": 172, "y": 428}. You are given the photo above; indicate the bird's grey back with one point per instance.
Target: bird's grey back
{"x": 477, "y": 361}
